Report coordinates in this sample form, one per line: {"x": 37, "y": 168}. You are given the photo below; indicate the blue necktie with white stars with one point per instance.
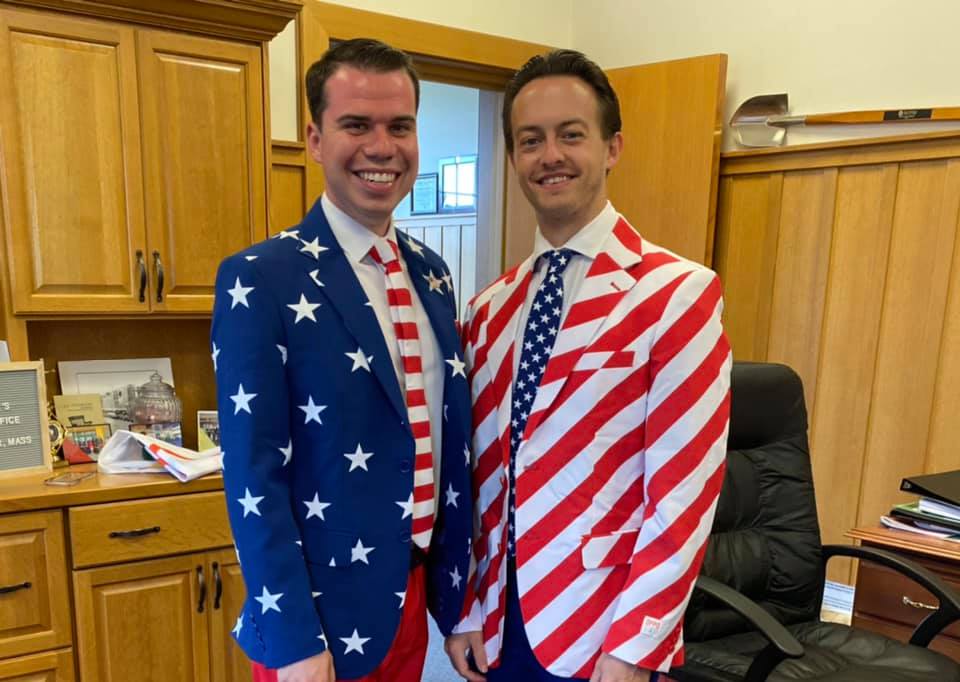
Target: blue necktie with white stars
{"x": 543, "y": 324}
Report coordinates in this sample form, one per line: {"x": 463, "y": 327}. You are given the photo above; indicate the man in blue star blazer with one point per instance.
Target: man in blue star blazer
{"x": 344, "y": 407}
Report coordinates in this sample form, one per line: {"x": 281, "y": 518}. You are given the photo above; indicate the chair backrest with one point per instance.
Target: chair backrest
{"x": 765, "y": 541}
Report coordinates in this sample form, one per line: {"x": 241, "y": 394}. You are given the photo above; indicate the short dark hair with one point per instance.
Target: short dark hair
{"x": 564, "y": 63}
{"x": 365, "y": 54}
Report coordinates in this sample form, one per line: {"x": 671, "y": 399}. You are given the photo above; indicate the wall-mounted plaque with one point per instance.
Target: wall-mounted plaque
{"x": 24, "y": 438}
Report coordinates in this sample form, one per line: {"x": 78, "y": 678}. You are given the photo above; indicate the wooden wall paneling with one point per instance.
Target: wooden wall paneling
{"x": 745, "y": 258}
{"x": 800, "y": 282}
{"x": 289, "y": 200}
{"x": 942, "y": 451}
{"x": 862, "y": 224}
{"x": 185, "y": 342}
{"x": 914, "y": 304}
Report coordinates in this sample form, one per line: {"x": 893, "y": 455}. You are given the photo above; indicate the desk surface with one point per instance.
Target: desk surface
{"x": 948, "y": 550}
{"x": 28, "y": 492}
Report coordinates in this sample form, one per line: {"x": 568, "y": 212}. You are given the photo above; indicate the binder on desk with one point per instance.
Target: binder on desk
{"x": 944, "y": 487}
{"x": 911, "y": 512}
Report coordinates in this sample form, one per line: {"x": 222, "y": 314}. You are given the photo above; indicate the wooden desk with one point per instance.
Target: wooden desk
{"x": 891, "y": 604}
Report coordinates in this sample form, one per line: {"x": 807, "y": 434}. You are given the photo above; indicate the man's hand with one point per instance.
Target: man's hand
{"x": 612, "y": 669}
{"x": 317, "y": 668}
{"x": 457, "y": 646}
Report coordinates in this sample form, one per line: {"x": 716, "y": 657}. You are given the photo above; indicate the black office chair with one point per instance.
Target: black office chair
{"x": 755, "y": 613}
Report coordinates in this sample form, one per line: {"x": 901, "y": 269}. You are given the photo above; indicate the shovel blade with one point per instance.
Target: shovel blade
{"x": 749, "y": 121}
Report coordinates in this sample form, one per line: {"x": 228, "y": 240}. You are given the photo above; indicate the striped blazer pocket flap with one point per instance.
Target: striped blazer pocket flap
{"x": 608, "y": 549}
{"x": 605, "y": 360}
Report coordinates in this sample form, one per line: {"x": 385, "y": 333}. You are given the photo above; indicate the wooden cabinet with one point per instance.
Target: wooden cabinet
{"x": 893, "y": 605}
{"x": 204, "y": 160}
{"x": 34, "y": 598}
{"x": 50, "y": 666}
{"x": 227, "y": 661}
{"x": 134, "y": 161}
{"x": 71, "y": 163}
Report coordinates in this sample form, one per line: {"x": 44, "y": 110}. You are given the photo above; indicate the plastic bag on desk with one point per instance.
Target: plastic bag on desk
{"x": 124, "y": 454}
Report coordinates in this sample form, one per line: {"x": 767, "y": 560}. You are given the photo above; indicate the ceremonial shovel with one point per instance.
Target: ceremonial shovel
{"x": 762, "y": 121}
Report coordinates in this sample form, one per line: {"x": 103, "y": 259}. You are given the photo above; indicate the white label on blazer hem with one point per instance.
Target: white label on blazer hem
{"x": 651, "y": 626}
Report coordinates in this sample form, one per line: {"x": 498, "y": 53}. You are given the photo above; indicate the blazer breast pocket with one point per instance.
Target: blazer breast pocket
{"x": 594, "y": 360}
{"x": 608, "y": 549}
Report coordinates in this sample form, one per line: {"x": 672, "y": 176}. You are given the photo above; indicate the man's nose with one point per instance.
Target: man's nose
{"x": 552, "y": 154}
{"x": 380, "y": 145}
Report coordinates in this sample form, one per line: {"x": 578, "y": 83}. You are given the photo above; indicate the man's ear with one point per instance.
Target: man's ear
{"x": 314, "y": 141}
{"x": 614, "y": 149}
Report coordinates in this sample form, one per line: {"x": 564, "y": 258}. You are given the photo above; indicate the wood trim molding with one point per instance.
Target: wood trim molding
{"x": 255, "y": 20}
{"x": 286, "y": 153}
{"x": 860, "y": 152}
{"x": 422, "y": 38}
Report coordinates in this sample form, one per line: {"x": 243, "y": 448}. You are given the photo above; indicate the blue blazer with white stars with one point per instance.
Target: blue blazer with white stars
{"x": 318, "y": 452}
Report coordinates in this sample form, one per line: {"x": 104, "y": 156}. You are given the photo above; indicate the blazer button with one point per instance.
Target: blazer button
{"x": 404, "y": 466}
{"x": 405, "y": 538}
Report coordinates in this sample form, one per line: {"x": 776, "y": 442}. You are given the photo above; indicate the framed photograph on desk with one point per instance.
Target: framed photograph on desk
{"x": 423, "y": 196}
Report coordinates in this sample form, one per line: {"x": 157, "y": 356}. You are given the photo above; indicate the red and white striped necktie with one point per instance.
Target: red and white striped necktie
{"x": 386, "y": 254}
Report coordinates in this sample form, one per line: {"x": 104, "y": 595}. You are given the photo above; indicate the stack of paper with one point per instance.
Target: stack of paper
{"x": 135, "y": 453}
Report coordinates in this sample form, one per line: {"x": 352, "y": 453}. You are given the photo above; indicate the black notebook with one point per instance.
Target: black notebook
{"x": 944, "y": 487}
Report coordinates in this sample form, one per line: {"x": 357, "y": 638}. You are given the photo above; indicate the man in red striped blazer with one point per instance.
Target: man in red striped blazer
{"x": 599, "y": 376}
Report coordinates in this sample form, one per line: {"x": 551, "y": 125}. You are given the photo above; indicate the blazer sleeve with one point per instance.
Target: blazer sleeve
{"x": 279, "y": 624}
{"x": 684, "y": 458}
{"x": 471, "y": 619}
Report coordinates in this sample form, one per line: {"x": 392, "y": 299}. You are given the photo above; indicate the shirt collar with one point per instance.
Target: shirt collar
{"x": 588, "y": 241}
{"x": 355, "y": 239}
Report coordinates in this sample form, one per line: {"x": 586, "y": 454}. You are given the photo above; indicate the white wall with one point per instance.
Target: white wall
{"x": 829, "y": 55}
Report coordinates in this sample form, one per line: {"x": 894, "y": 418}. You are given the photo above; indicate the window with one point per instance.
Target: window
{"x": 458, "y": 184}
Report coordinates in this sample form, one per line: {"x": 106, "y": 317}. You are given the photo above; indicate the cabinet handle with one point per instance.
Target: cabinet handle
{"x": 907, "y": 601}
{"x": 158, "y": 266}
{"x": 217, "y": 586}
{"x": 203, "y": 589}
{"x": 143, "y": 276}
{"x": 14, "y": 588}
{"x": 139, "y": 532}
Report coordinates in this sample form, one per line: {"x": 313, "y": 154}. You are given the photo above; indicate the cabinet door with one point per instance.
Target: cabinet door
{"x": 35, "y": 601}
{"x": 50, "y": 666}
{"x": 144, "y": 621}
{"x": 228, "y": 662}
{"x": 204, "y": 160}
{"x": 70, "y": 164}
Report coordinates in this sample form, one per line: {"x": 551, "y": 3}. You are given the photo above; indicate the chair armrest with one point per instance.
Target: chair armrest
{"x": 932, "y": 625}
{"x": 781, "y": 645}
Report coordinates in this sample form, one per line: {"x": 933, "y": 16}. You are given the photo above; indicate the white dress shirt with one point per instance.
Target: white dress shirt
{"x": 356, "y": 241}
{"x": 587, "y": 243}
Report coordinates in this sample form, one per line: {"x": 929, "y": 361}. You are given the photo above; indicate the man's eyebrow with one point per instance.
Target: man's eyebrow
{"x": 562, "y": 124}
{"x": 353, "y": 118}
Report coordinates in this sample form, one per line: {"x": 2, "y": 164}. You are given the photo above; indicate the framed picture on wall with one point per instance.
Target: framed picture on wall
{"x": 423, "y": 196}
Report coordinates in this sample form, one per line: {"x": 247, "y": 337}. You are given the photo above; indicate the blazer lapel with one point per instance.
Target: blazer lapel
{"x": 505, "y": 308}
{"x": 327, "y": 265}
{"x": 607, "y": 281}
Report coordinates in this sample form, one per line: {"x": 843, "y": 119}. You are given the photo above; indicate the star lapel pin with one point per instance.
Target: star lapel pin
{"x": 435, "y": 282}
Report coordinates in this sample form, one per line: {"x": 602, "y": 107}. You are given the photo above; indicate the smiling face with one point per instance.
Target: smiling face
{"x": 559, "y": 152}
{"x": 367, "y": 143}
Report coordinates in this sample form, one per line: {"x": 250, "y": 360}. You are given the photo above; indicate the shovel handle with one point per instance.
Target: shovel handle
{"x": 885, "y": 116}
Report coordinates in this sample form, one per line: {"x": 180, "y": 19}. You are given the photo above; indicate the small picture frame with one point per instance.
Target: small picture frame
{"x": 208, "y": 430}
{"x": 90, "y": 438}
{"x": 24, "y": 434}
{"x": 423, "y": 196}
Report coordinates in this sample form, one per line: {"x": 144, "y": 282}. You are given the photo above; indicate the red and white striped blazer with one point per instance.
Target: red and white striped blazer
{"x": 620, "y": 465}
